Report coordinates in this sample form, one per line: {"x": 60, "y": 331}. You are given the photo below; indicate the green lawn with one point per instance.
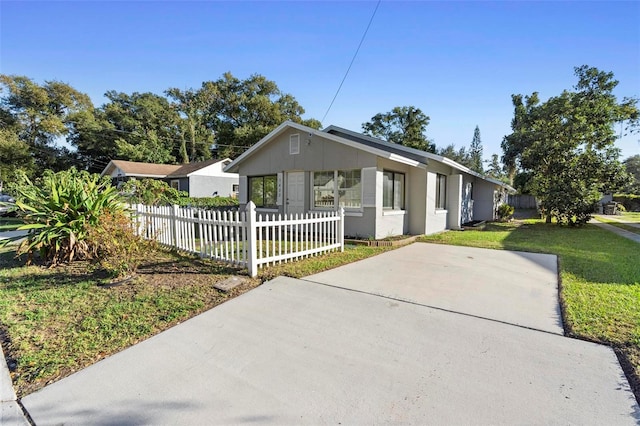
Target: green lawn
{"x": 622, "y": 222}
{"x": 621, "y": 225}
{"x": 56, "y": 321}
{"x": 600, "y": 277}
{"x": 631, "y": 217}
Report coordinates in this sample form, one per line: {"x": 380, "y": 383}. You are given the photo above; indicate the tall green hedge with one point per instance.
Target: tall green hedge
{"x": 630, "y": 202}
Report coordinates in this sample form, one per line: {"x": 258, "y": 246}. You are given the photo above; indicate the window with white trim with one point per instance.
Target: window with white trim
{"x": 441, "y": 192}
{"x": 294, "y": 144}
{"x": 337, "y": 188}
{"x": 392, "y": 190}
{"x": 175, "y": 184}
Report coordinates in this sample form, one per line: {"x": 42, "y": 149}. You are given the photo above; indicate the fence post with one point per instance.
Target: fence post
{"x": 252, "y": 263}
{"x": 341, "y": 229}
{"x": 174, "y": 227}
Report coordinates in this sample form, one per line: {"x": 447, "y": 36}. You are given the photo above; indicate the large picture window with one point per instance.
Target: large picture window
{"x": 441, "y": 191}
{"x": 393, "y": 190}
{"x": 337, "y": 188}
{"x": 263, "y": 190}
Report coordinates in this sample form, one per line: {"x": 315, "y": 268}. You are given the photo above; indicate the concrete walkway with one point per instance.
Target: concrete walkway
{"x": 304, "y": 352}
{"x": 622, "y": 232}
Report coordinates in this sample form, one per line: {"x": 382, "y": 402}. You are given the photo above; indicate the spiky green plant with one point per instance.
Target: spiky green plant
{"x": 59, "y": 209}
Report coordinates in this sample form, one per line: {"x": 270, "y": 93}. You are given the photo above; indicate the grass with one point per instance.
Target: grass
{"x": 54, "y": 322}
{"x": 631, "y": 217}
{"x": 600, "y": 276}
{"x": 617, "y": 223}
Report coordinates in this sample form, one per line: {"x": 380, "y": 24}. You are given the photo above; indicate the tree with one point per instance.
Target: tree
{"x": 139, "y": 127}
{"x": 192, "y": 106}
{"x": 14, "y": 157}
{"x": 41, "y": 114}
{"x": 460, "y": 156}
{"x": 632, "y": 165}
{"x": 402, "y": 125}
{"x": 567, "y": 144}
{"x": 495, "y": 169}
{"x": 241, "y": 112}
{"x": 475, "y": 152}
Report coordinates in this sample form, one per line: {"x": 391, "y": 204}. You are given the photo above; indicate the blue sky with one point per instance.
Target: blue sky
{"x": 457, "y": 61}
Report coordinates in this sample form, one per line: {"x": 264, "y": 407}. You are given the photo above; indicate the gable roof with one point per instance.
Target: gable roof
{"x": 403, "y": 154}
{"x": 186, "y": 169}
{"x": 152, "y": 170}
{"x": 418, "y": 155}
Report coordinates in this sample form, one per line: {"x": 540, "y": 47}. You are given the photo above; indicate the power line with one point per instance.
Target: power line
{"x": 352, "y": 60}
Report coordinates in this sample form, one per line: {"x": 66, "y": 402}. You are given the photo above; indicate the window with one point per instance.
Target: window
{"x": 349, "y": 189}
{"x": 175, "y": 184}
{"x": 323, "y": 189}
{"x": 340, "y": 187}
{"x": 235, "y": 187}
{"x": 263, "y": 190}
{"x": 294, "y": 144}
{"x": 393, "y": 190}
{"x": 441, "y": 191}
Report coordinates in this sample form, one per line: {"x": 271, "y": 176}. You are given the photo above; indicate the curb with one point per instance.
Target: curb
{"x": 10, "y": 411}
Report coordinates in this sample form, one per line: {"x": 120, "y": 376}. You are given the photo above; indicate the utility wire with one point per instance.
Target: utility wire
{"x": 352, "y": 60}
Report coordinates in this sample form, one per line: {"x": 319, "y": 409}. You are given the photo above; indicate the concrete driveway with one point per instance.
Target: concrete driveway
{"x": 303, "y": 352}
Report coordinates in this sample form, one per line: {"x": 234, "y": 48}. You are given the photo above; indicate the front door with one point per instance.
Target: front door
{"x": 295, "y": 192}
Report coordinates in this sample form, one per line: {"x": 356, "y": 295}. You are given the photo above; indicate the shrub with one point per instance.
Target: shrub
{"x": 151, "y": 192}
{"x": 631, "y": 202}
{"x": 119, "y": 250}
{"x": 208, "y": 202}
{"x": 505, "y": 211}
{"x": 59, "y": 209}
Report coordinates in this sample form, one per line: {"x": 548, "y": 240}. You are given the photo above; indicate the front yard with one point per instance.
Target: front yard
{"x": 600, "y": 279}
{"x": 54, "y": 322}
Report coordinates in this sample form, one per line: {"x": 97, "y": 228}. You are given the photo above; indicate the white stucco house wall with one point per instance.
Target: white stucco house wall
{"x": 199, "y": 179}
{"x": 386, "y": 189}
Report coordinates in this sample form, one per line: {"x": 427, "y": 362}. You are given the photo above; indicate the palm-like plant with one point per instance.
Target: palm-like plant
{"x": 59, "y": 209}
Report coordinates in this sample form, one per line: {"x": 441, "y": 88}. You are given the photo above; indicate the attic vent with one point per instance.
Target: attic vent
{"x": 294, "y": 144}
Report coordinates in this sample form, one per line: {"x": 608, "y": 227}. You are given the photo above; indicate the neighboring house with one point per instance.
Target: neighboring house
{"x": 200, "y": 179}
{"x": 386, "y": 189}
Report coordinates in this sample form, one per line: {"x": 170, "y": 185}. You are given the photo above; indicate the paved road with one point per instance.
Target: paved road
{"x": 304, "y": 352}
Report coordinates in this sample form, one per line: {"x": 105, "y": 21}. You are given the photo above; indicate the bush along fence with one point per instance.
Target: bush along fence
{"x": 244, "y": 238}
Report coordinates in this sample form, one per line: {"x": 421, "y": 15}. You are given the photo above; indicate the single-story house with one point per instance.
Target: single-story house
{"x": 386, "y": 189}
{"x": 199, "y": 179}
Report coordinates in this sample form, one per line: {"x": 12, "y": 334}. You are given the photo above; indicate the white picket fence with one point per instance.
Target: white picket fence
{"x": 246, "y": 239}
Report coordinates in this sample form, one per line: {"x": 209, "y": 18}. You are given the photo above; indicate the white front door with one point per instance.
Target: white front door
{"x": 295, "y": 192}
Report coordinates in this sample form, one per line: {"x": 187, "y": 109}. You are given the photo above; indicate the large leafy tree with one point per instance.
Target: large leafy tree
{"x": 15, "y": 157}
{"x": 40, "y": 115}
{"x": 195, "y": 138}
{"x": 460, "y": 156}
{"x": 241, "y": 112}
{"x": 567, "y": 144}
{"x": 475, "y": 152}
{"x": 137, "y": 127}
{"x": 402, "y": 125}
{"x": 632, "y": 164}
{"x": 494, "y": 170}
